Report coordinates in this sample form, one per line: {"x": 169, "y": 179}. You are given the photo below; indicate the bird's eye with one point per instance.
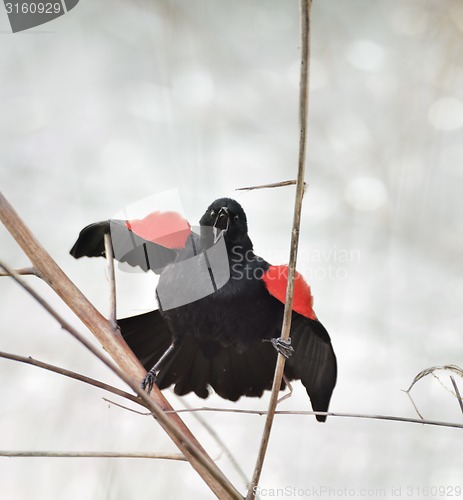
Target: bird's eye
{"x": 236, "y": 217}
{"x": 212, "y": 213}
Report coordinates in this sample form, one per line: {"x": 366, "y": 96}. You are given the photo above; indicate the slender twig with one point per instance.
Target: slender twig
{"x": 90, "y": 454}
{"x": 457, "y": 392}
{"x": 135, "y": 399}
{"x": 288, "y": 394}
{"x": 112, "y": 280}
{"x": 303, "y": 108}
{"x": 391, "y": 418}
{"x": 25, "y": 271}
{"x": 271, "y": 185}
{"x": 70, "y": 374}
{"x": 138, "y": 412}
{"x": 183, "y": 442}
{"x": 413, "y": 403}
{"x": 114, "y": 344}
{"x": 327, "y": 414}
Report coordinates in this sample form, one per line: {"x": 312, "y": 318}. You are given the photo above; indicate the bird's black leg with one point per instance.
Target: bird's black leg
{"x": 283, "y": 347}
{"x": 150, "y": 379}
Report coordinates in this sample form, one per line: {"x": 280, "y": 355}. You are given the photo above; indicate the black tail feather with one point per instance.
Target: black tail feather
{"x": 196, "y": 375}
{"x": 147, "y": 335}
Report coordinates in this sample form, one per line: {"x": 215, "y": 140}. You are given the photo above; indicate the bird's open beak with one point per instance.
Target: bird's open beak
{"x": 221, "y": 223}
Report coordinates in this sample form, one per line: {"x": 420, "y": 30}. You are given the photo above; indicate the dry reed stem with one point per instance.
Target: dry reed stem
{"x": 300, "y": 187}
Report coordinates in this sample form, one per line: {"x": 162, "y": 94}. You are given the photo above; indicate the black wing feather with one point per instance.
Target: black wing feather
{"x": 195, "y": 378}
{"x": 127, "y": 246}
{"x": 148, "y": 336}
{"x": 313, "y": 361}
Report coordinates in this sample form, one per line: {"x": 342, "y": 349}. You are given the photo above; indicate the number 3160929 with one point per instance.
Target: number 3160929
{"x": 33, "y": 8}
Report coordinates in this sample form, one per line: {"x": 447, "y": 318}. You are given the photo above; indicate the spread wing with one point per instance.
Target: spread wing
{"x": 150, "y": 243}
{"x": 276, "y": 280}
{"x": 313, "y": 360}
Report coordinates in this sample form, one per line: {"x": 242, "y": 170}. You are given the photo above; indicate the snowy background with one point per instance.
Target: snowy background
{"x": 117, "y": 101}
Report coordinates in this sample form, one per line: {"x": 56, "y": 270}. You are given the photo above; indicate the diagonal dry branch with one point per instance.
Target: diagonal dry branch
{"x": 128, "y": 367}
{"x": 300, "y": 188}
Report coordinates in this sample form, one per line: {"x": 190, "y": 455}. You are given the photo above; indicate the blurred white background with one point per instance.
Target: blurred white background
{"x": 117, "y": 101}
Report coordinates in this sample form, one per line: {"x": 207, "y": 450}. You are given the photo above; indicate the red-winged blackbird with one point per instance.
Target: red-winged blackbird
{"x": 220, "y": 307}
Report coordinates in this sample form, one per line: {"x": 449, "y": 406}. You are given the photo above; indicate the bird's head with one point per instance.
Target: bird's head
{"x": 227, "y": 215}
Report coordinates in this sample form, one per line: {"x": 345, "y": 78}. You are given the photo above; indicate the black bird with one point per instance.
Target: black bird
{"x": 220, "y": 307}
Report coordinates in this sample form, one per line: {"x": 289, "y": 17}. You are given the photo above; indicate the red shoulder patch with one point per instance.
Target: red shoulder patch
{"x": 276, "y": 280}
{"x": 168, "y": 229}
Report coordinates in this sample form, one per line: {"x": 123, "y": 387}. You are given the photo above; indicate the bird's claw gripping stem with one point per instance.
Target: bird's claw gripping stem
{"x": 151, "y": 377}
{"x": 149, "y": 381}
{"x": 283, "y": 347}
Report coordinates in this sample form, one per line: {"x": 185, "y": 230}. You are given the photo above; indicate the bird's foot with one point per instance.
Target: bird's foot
{"x": 152, "y": 376}
{"x": 283, "y": 346}
{"x": 149, "y": 381}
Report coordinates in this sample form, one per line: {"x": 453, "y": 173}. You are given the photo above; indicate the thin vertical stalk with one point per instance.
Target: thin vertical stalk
{"x": 108, "y": 246}
{"x": 285, "y": 333}
{"x": 457, "y": 393}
